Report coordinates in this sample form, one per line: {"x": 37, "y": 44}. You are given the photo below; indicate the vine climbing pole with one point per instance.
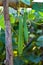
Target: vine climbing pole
{"x": 8, "y": 39}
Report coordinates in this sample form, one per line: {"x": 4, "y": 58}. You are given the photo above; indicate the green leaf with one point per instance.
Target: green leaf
{"x": 40, "y": 41}
{"x": 34, "y": 58}
{"x": 41, "y": 14}
{"x": 38, "y": 6}
{"x": 12, "y": 19}
{"x": 40, "y": 38}
{"x": 31, "y": 16}
{"x": 2, "y": 22}
{"x": 39, "y": 32}
{"x": 18, "y": 61}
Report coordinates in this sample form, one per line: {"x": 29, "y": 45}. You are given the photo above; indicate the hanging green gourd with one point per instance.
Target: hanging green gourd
{"x": 20, "y": 36}
{"x": 25, "y": 27}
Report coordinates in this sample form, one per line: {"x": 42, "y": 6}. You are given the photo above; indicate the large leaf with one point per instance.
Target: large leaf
{"x": 38, "y": 6}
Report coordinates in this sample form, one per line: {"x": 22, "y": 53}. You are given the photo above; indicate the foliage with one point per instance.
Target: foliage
{"x": 38, "y": 6}
{"x": 12, "y": 19}
{"x": 27, "y": 37}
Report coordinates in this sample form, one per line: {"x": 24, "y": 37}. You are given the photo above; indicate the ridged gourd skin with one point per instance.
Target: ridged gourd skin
{"x": 20, "y": 36}
{"x": 25, "y": 28}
